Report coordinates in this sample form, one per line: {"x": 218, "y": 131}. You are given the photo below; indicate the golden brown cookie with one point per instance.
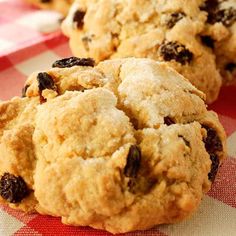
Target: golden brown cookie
{"x": 121, "y": 146}
{"x": 162, "y": 30}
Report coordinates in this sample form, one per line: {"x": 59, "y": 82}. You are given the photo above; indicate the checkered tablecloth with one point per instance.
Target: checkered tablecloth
{"x": 24, "y": 48}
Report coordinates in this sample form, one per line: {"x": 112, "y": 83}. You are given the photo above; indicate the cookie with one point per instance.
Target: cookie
{"x": 17, "y": 152}
{"x": 111, "y": 149}
{"x": 57, "y": 5}
{"x": 220, "y": 34}
{"x": 162, "y": 30}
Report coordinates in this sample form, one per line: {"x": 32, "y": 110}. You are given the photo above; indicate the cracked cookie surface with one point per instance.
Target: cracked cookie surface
{"x": 124, "y": 145}
{"x": 162, "y": 30}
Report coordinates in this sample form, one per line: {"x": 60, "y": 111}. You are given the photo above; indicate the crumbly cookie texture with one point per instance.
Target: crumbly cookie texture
{"x": 122, "y": 146}
{"x": 17, "y": 121}
{"x": 162, "y": 30}
{"x": 57, "y": 5}
{"x": 221, "y": 35}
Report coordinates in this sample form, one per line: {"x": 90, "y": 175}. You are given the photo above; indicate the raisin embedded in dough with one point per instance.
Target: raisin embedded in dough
{"x": 12, "y": 188}
{"x": 74, "y": 61}
{"x": 176, "y": 51}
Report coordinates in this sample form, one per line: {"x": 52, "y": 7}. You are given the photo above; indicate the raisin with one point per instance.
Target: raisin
{"x": 230, "y": 67}
{"x": 133, "y": 162}
{"x": 46, "y": 1}
{"x": 208, "y": 41}
{"x": 214, "y": 167}
{"x": 175, "y": 51}
{"x": 73, "y": 61}
{"x": 213, "y": 145}
{"x": 168, "y": 121}
{"x": 12, "y": 188}
{"x": 24, "y": 90}
{"x": 226, "y": 16}
{"x": 210, "y": 5}
{"x": 79, "y": 18}
{"x": 174, "y": 18}
{"x": 45, "y": 81}
{"x": 212, "y": 141}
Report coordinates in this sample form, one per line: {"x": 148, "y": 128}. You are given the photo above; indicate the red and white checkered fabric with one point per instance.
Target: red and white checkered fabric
{"x": 26, "y": 50}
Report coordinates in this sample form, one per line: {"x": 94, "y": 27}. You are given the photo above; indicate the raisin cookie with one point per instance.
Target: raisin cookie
{"x": 160, "y": 30}
{"x": 57, "y": 5}
{"x": 108, "y": 147}
{"x": 220, "y": 35}
{"x": 17, "y": 118}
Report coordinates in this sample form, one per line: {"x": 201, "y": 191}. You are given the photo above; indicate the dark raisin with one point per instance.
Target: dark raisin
{"x": 168, "y": 121}
{"x": 208, "y": 41}
{"x": 175, "y": 51}
{"x": 210, "y": 5}
{"x": 73, "y": 61}
{"x": 24, "y": 90}
{"x": 213, "y": 144}
{"x": 12, "y": 188}
{"x": 226, "y": 16}
{"x": 46, "y": 1}
{"x": 212, "y": 141}
{"x": 45, "y": 81}
{"x": 230, "y": 67}
{"x": 133, "y": 162}
{"x": 79, "y": 18}
{"x": 214, "y": 167}
{"x": 174, "y": 18}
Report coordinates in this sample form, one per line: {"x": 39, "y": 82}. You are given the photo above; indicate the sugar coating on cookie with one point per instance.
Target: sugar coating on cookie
{"x": 162, "y": 30}
{"x": 61, "y": 6}
{"x": 121, "y": 146}
{"x": 221, "y": 31}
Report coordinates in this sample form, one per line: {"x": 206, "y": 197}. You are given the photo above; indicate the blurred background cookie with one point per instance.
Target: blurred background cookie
{"x": 162, "y": 30}
{"x": 57, "y": 5}
{"x": 220, "y": 35}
